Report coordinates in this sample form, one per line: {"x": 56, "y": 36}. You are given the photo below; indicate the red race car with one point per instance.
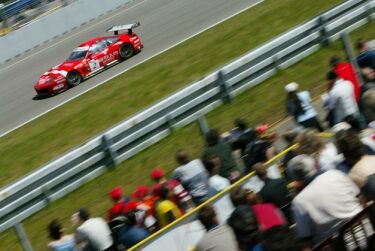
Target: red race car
{"x": 89, "y": 58}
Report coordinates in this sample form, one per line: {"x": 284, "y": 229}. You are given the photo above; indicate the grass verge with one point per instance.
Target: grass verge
{"x": 258, "y": 104}
{"x": 56, "y": 132}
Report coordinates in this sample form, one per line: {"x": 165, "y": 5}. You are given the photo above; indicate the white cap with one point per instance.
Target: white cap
{"x": 291, "y": 87}
{"x": 340, "y": 126}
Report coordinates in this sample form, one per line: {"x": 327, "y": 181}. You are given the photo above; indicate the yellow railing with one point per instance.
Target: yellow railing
{"x": 209, "y": 201}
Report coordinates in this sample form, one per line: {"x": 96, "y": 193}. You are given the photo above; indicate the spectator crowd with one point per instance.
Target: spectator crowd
{"x": 325, "y": 184}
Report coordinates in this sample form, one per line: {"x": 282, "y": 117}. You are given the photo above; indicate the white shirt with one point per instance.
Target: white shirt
{"x": 96, "y": 232}
{"x": 329, "y": 157}
{"x": 341, "y": 100}
{"x": 218, "y": 183}
{"x": 320, "y": 208}
{"x": 309, "y": 111}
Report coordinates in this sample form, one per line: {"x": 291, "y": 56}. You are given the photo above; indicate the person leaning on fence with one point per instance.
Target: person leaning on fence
{"x": 192, "y": 175}
{"x": 325, "y": 202}
{"x": 218, "y": 237}
{"x": 216, "y": 183}
{"x": 60, "y": 241}
{"x": 216, "y": 146}
{"x": 299, "y": 106}
{"x": 93, "y": 231}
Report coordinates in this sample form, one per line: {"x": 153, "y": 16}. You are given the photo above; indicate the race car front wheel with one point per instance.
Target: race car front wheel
{"x": 126, "y": 51}
{"x": 73, "y": 78}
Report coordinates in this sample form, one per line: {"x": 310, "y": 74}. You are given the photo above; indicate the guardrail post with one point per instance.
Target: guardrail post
{"x": 111, "y": 155}
{"x": 323, "y": 31}
{"x": 23, "y": 237}
{"x": 203, "y": 125}
{"x": 350, "y": 55}
{"x": 225, "y": 87}
{"x": 170, "y": 122}
{"x": 46, "y": 193}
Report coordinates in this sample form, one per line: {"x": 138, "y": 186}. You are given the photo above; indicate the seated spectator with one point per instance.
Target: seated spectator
{"x": 178, "y": 193}
{"x": 60, "y": 241}
{"x": 340, "y": 101}
{"x": 345, "y": 70}
{"x": 326, "y": 155}
{"x": 165, "y": 210}
{"x": 362, "y": 165}
{"x": 366, "y": 57}
{"x": 299, "y": 106}
{"x": 289, "y": 137}
{"x": 245, "y": 227}
{"x": 94, "y": 231}
{"x": 145, "y": 206}
{"x": 215, "y": 146}
{"x": 274, "y": 191}
{"x": 261, "y": 149}
{"x": 267, "y": 214}
{"x": 325, "y": 201}
{"x": 116, "y": 196}
{"x": 216, "y": 183}
{"x": 241, "y": 135}
{"x": 193, "y": 177}
{"x": 218, "y": 237}
{"x": 132, "y": 232}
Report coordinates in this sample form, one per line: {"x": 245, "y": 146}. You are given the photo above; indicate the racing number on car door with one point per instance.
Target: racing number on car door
{"x": 94, "y": 65}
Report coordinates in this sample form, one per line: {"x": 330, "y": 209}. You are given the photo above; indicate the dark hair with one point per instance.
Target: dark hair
{"x": 182, "y": 157}
{"x": 239, "y": 196}
{"x": 164, "y": 192}
{"x": 361, "y": 43}
{"x": 334, "y": 60}
{"x": 241, "y": 124}
{"x": 209, "y": 163}
{"x": 260, "y": 170}
{"x": 332, "y": 75}
{"x": 350, "y": 145}
{"x": 131, "y": 218}
{"x": 281, "y": 238}
{"x": 294, "y": 100}
{"x": 206, "y": 216}
{"x": 55, "y": 230}
{"x": 245, "y": 226}
{"x": 212, "y": 137}
{"x": 83, "y": 214}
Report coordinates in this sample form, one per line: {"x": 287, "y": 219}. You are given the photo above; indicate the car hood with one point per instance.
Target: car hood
{"x": 67, "y": 66}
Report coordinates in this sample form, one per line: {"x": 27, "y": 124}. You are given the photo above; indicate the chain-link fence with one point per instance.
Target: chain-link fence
{"x": 17, "y": 13}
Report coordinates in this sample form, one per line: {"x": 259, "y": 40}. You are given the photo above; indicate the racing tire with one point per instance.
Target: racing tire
{"x": 126, "y": 51}
{"x": 74, "y": 78}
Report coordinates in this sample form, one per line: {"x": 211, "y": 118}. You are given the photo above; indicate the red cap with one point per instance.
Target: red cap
{"x": 140, "y": 192}
{"x": 116, "y": 193}
{"x": 262, "y": 128}
{"x": 130, "y": 206}
{"x": 157, "y": 174}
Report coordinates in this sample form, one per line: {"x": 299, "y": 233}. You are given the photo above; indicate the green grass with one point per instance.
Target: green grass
{"x": 70, "y": 125}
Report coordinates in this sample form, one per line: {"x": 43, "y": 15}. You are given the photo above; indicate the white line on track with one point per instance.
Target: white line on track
{"x": 94, "y": 86}
{"x": 73, "y": 35}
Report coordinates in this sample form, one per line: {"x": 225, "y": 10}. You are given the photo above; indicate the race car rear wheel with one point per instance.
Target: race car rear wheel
{"x": 126, "y": 51}
{"x": 74, "y": 78}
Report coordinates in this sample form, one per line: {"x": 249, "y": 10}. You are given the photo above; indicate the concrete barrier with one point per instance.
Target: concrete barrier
{"x": 55, "y": 24}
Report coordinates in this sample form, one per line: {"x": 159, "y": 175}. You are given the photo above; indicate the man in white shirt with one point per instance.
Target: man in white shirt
{"x": 94, "y": 231}
{"x": 325, "y": 202}
{"x": 340, "y": 99}
{"x": 216, "y": 183}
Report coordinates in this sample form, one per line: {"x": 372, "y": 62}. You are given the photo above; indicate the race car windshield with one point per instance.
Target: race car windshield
{"x": 77, "y": 54}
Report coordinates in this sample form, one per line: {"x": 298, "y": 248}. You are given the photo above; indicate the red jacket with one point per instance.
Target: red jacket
{"x": 346, "y": 71}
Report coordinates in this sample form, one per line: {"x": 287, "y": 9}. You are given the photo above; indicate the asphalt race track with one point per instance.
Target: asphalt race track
{"x": 164, "y": 23}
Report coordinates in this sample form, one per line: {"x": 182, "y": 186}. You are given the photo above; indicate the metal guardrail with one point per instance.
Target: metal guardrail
{"x": 30, "y": 194}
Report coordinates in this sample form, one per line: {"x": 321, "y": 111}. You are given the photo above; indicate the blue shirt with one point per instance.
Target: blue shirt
{"x": 68, "y": 244}
{"x": 366, "y": 59}
{"x": 132, "y": 235}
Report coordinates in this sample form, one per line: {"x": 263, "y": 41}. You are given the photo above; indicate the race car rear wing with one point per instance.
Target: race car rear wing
{"x": 129, "y": 27}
